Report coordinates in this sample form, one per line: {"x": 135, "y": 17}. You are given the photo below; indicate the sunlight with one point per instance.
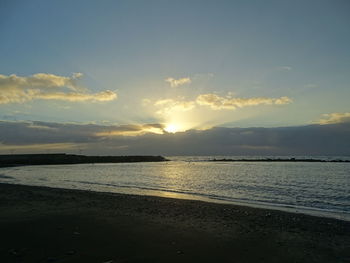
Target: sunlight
{"x": 172, "y": 128}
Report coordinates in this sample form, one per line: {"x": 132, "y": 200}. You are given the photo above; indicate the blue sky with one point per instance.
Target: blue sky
{"x": 243, "y": 55}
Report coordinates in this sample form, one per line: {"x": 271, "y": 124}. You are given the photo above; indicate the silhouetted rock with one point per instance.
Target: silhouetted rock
{"x": 62, "y": 158}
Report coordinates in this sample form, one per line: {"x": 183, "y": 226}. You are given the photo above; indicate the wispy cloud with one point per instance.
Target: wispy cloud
{"x": 131, "y": 130}
{"x": 178, "y": 82}
{"x": 168, "y": 106}
{"x": 41, "y": 147}
{"x": 336, "y": 117}
{"x": 73, "y": 96}
{"x": 17, "y": 89}
{"x": 216, "y": 102}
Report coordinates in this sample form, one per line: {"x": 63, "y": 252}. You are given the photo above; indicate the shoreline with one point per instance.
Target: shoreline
{"x": 140, "y": 192}
{"x": 292, "y": 209}
{"x": 145, "y": 193}
{"x": 131, "y": 228}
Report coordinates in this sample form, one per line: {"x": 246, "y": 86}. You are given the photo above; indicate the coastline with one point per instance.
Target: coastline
{"x": 266, "y": 160}
{"x": 84, "y": 226}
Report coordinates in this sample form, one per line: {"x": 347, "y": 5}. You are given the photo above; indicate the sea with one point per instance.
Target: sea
{"x": 321, "y": 189}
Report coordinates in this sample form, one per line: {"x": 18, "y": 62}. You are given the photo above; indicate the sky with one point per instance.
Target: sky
{"x": 134, "y": 77}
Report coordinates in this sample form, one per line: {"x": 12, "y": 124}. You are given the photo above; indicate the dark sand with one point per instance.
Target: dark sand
{"x": 40, "y": 224}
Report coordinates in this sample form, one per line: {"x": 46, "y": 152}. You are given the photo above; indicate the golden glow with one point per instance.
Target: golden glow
{"x": 172, "y": 128}
{"x": 141, "y": 131}
{"x": 39, "y": 147}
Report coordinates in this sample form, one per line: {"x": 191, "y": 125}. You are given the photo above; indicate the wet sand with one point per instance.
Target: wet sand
{"x": 39, "y": 224}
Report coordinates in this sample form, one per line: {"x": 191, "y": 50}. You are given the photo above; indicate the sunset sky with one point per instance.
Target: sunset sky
{"x": 81, "y": 75}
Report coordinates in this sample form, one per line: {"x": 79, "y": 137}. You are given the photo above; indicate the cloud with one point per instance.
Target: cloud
{"x": 178, "y": 82}
{"x": 35, "y": 132}
{"x": 39, "y": 147}
{"x": 216, "y": 102}
{"x": 16, "y": 89}
{"x": 131, "y": 130}
{"x": 173, "y": 107}
{"x": 335, "y": 118}
{"x": 73, "y": 96}
{"x": 145, "y": 102}
{"x": 169, "y": 106}
{"x": 27, "y": 137}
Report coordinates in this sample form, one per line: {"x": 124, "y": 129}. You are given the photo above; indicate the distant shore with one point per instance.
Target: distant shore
{"x": 10, "y": 160}
{"x": 41, "y": 224}
{"x": 309, "y": 160}
{"x": 63, "y": 158}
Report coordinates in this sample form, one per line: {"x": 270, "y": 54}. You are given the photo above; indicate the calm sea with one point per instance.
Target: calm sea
{"x": 313, "y": 188}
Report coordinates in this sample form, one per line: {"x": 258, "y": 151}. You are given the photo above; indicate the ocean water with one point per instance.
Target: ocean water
{"x": 312, "y": 188}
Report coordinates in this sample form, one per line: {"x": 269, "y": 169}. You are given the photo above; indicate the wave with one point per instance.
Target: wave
{"x": 2, "y": 176}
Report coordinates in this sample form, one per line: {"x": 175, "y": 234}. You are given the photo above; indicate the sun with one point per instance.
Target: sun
{"x": 172, "y": 128}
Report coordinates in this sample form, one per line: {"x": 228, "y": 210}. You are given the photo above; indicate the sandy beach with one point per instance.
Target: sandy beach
{"x": 39, "y": 224}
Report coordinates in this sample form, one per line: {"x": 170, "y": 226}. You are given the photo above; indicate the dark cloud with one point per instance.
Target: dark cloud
{"x": 331, "y": 139}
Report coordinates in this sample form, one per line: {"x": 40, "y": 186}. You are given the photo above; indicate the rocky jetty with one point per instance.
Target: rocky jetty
{"x": 62, "y": 158}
